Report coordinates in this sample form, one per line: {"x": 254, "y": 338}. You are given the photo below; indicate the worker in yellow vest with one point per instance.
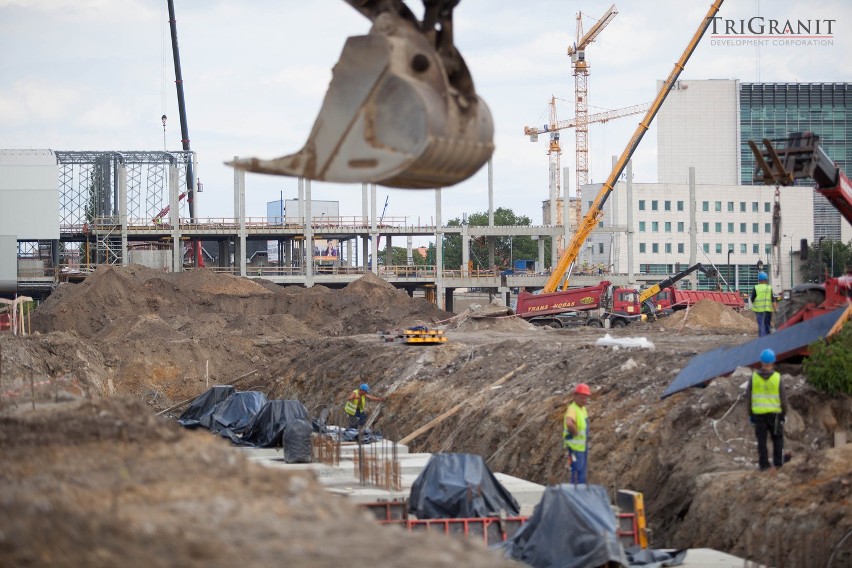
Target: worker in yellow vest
{"x": 356, "y": 405}
{"x": 575, "y": 433}
{"x": 763, "y": 304}
{"x": 767, "y": 410}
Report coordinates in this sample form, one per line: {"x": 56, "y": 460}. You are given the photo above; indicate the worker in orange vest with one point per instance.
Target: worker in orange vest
{"x": 575, "y": 431}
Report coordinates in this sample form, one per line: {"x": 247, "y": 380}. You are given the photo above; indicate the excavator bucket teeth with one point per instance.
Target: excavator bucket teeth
{"x": 391, "y": 117}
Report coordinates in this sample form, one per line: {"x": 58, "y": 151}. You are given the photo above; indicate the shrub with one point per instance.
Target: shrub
{"x": 829, "y": 368}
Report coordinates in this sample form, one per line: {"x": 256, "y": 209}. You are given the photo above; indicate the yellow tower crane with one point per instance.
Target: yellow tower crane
{"x": 577, "y": 53}
{"x": 554, "y": 151}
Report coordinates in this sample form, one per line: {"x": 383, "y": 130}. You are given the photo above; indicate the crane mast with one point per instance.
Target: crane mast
{"x": 577, "y": 52}
{"x": 595, "y": 212}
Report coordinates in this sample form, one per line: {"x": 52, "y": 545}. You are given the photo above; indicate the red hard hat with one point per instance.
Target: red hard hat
{"x": 583, "y": 388}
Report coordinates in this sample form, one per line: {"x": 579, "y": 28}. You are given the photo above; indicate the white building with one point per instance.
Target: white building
{"x": 699, "y": 126}
{"x": 658, "y": 219}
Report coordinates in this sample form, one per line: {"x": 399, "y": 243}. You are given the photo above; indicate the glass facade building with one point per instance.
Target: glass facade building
{"x": 774, "y": 110}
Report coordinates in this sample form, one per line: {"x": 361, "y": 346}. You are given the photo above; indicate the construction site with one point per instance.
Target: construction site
{"x": 157, "y": 409}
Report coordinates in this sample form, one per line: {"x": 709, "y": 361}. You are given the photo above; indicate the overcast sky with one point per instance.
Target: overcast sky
{"x": 98, "y": 74}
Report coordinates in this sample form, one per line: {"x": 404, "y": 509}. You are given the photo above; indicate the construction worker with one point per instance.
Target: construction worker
{"x": 767, "y": 410}
{"x": 575, "y": 429}
{"x": 763, "y": 304}
{"x": 356, "y": 405}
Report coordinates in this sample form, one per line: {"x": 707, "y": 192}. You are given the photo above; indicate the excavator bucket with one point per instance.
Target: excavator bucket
{"x": 400, "y": 111}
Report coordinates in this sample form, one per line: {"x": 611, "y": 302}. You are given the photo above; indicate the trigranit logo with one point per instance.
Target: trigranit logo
{"x": 768, "y": 32}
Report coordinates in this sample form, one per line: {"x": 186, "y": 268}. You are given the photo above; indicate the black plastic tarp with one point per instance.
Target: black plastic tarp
{"x": 650, "y": 558}
{"x": 203, "y": 405}
{"x": 296, "y": 441}
{"x": 573, "y": 526}
{"x": 234, "y": 414}
{"x": 458, "y": 486}
{"x": 268, "y": 425}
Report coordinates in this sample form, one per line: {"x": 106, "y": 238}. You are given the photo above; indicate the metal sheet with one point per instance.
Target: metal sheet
{"x": 29, "y": 194}
{"x": 8, "y": 264}
{"x": 725, "y": 360}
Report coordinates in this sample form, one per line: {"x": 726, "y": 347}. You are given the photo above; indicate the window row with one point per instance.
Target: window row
{"x": 705, "y": 206}
{"x": 719, "y": 248}
{"x": 705, "y": 227}
{"x": 755, "y": 206}
{"x": 655, "y": 205}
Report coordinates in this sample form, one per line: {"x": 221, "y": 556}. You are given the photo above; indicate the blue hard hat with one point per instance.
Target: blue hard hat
{"x": 767, "y": 356}
{"x": 365, "y": 387}
{"x": 762, "y": 276}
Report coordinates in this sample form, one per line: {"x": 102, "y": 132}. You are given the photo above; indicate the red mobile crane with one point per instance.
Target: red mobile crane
{"x": 799, "y": 156}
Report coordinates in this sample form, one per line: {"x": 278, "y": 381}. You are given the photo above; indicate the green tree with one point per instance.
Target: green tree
{"x": 828, "y": 257}
{"x": 399, "y": 257}
{"x": 829, "y": 368}
{"x": 506, "y": 249}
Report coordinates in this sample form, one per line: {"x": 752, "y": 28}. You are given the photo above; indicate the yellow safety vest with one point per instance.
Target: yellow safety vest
{"x": 577, "y": 442}
{"x": 353, "y": 406}
{"x": 766, "y": 394}
{"x": 762, "y": 298}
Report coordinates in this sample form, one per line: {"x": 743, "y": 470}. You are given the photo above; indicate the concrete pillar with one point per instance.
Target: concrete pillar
{"x": 309, "y": 237}
{"x": 465, "y": 249}
{"x": 693, "y": 228}
{"x": 349, "y": 253}
{"x": 365, "y": 221}
{"x": 240, "y": 213}
{"x": 224, "y": 253}
{"x": 374, "y": 231}
{"x": 122, "y": 210}
{"x": 631, "y": 275}
{"x": 409, "y": 254}
{"x": 491, "y": 260}
{"x": 439, "y": 251}
{"x": 540, "y": 264}
{"x": 300, "y": 246}
{"x": 174, "y": 219}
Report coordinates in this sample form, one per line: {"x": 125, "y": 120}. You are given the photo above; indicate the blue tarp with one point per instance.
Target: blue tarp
{"x": 573, "y": 526}
{"x": 725, "y": 360}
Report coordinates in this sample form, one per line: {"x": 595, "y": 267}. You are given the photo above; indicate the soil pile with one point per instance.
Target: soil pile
{"x": 493, "y": 316}
{"x": 121, "y": 488}
{"x": 712, "y": 316}
{"x": 137, "y": 302}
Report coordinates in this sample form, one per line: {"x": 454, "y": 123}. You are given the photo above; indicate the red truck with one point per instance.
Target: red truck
{"x": 603, "y": 305}
{"x": 673, "y": 299}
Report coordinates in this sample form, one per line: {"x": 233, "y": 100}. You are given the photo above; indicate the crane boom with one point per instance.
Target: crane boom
{"x": 596, "y": 29}
{"x": 595, "y": 212}
{"x": 533, "y": 131}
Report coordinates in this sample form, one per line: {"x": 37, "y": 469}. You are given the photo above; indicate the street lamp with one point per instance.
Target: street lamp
{"x": 819, "y": 257}
{"x": 791, "y": 260}
{"x": 730, "y": 250}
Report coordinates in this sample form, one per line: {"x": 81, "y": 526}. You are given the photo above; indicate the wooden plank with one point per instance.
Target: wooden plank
{"x": 459, "y": 406}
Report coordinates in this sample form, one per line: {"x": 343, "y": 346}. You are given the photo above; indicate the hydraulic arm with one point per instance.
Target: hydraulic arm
{"x": 595, "y": 212}
{"x": 655, "y": 289}
{"x": 799, "y": 156}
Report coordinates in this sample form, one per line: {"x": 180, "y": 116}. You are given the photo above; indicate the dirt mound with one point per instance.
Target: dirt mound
{"x": 710, "y": 316}
{"x": 121, "y": 488}
{"x": 493, "y": 316}
{"x": 130, "y": 302}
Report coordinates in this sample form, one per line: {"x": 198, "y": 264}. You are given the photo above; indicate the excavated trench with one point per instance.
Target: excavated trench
{"x": 153, "y": 337}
